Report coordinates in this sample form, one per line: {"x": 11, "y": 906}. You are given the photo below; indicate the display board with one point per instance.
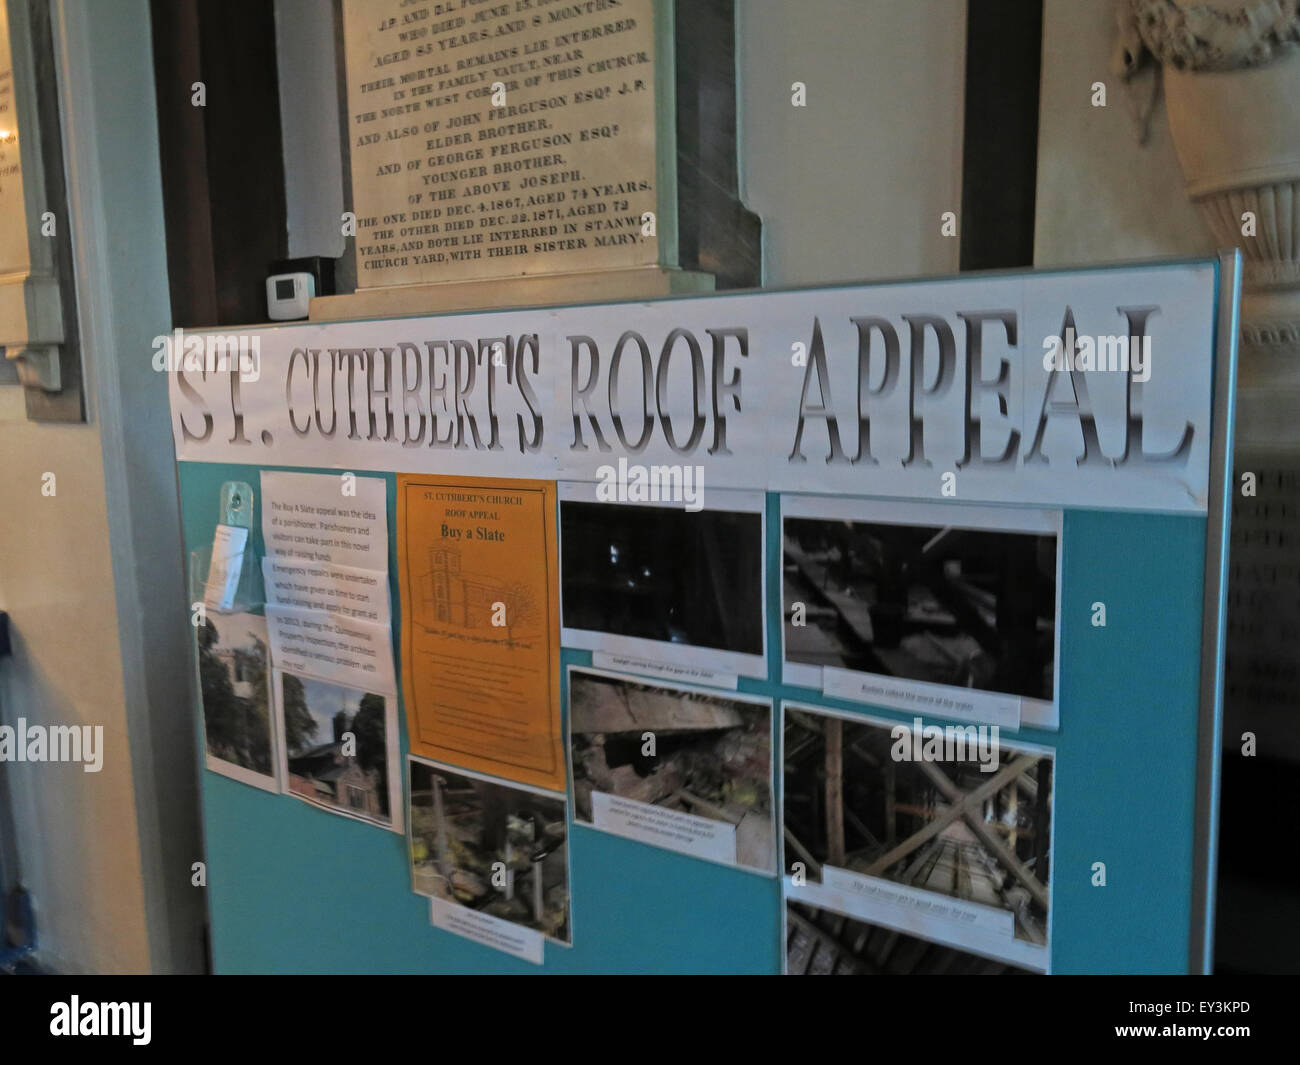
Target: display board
{"x": 893, "y": 608}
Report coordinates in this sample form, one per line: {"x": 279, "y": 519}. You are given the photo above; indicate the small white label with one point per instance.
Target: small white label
{"x": 226, "y": 566}
{"x": 855, "y": 887}
{"x": 673, "y": 830}
{"x": 666, "y": 670}
{"x": 914, "y": 696}
{"x": 525, "y": 943}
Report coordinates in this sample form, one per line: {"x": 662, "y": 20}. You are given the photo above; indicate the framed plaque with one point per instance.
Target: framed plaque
{"x": 536, "y": 140}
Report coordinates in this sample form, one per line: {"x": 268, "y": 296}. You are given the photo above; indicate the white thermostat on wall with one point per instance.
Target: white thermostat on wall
{"x": 287, "y": 295}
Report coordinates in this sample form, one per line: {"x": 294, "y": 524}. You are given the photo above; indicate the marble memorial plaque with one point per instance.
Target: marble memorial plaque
{"x": 502, "y": 138}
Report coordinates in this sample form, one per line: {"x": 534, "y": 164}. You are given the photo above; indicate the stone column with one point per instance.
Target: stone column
{"x": 1232, "y": 81}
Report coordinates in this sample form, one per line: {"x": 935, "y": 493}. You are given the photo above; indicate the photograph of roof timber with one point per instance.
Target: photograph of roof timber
{"x": 712, "y": 756}
{"x": 965, "y": 607}
{"x": 659, "y": 573}
{"x": 825, "y": 943}
{"x": 946, "y": 825}
{"x": 493, "y": 847}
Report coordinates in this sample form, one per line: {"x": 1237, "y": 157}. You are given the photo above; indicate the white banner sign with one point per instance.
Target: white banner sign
{"x": 1081, "y": 388}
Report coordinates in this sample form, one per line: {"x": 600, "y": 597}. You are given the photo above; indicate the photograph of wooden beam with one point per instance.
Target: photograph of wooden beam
{"x": 933, "y": 603}
{"x": 664, "y": 748}
{"x": 824, "y": 943}
{"x": 940, "y": 810}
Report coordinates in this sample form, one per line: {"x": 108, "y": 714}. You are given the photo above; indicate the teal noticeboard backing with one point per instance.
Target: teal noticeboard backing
{"x": 295, "y": 889}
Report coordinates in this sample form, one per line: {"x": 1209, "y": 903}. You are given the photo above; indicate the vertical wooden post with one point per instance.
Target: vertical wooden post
{"x": 834, "y": 791}
{"x": 1042, "y": 819}
{"x": 891, "y": 790}
{"x": 539, "y": 896}
{"x": 440, "y": 818}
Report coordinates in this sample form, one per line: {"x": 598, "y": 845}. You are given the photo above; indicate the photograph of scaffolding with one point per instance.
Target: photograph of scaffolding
{"x": 946, "y": 825}
{"x": 501, "y": 849}
{"x": 677, "y": 749}
{"x": 970, "y": 608}
{"x": 825, "y": 943}
{"x": 663, "y": 573}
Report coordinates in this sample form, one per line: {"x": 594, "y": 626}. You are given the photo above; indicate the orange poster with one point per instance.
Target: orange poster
{"x": 477, "y": 565}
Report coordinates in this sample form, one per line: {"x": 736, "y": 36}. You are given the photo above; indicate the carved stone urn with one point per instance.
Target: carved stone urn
{"x": 1231, "y": 71}
{"x": 1232, "y": 90}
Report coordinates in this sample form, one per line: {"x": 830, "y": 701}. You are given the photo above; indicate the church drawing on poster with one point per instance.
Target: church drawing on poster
{"x": 490, "y": 606}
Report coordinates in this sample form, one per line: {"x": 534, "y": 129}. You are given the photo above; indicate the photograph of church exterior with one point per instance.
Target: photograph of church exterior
{"x": 337, "y": 747}
{"x": 233, "y": 678}
{"x": 325, "y": 774}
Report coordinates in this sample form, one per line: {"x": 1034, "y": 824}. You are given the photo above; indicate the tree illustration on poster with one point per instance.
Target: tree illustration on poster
{"x": 520, "y": 609}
